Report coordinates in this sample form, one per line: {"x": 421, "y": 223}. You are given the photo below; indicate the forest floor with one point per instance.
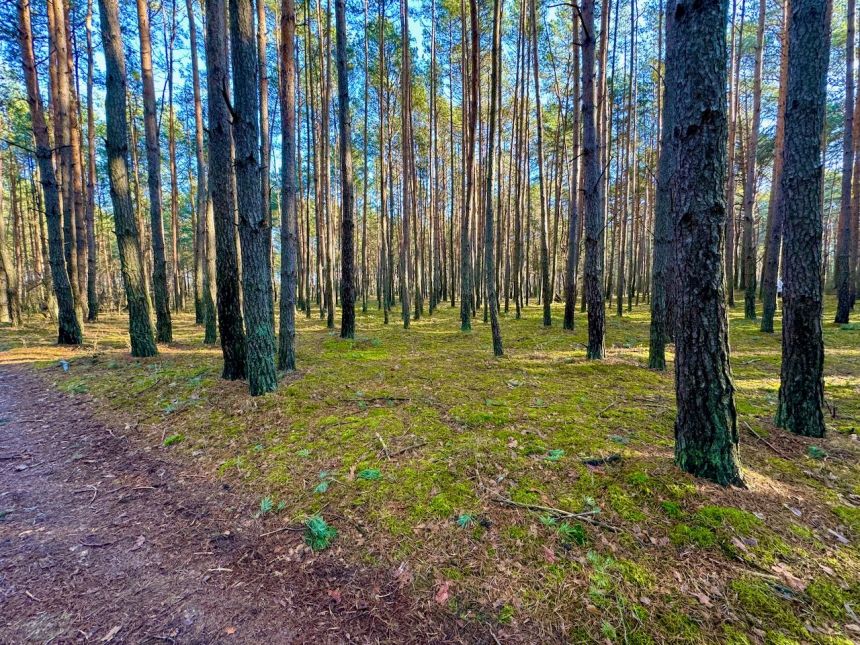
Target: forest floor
{"x": 531, "y": 498}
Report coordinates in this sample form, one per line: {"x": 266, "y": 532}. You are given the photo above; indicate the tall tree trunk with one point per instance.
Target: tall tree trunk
{"x": 842, "y": 270}
{"x": 706, "y": 437}
{"x": 253, "y": 229}
{"x": 230, "y": 324}
{"x": 407, "y": 198}
{"x": 127, "y": 236}
{"x": 347, "y": 230}
{"x": 495, "y": 99}
{"x": 92, "y": 264}
{"x": 594, "y": 214}
{"x": 773, "y": 233}
{"x": 163, "y": 324}
{"x": 69, "y": 332}
{"x": 573, "y": 223}
{"x": 366, "y": 170}
{"x": 749, "y": 245}
{"x": 801, "y": 389}
{"x": 203, "y": 260}
{"x": 287, "y": 337}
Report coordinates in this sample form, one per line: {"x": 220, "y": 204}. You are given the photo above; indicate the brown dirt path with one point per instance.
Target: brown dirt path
{"x": 104, "y": 539}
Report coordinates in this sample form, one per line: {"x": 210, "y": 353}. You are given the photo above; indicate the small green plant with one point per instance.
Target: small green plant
{"x": 173, "y": 439}
{"x": 304, "y": 453}
{"x": 369, "y": 474}
{"x": 815, "y": 452}
{"x": 572, "y": 533}
{"x": 555, "y": 454}
{"x": 267, "y": 505}
{"x": 319, "y": 534}
{"x": 465, "y": 520}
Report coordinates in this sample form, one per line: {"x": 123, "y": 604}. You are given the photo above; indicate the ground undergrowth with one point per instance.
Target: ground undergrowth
{"x": 534, "y": 493}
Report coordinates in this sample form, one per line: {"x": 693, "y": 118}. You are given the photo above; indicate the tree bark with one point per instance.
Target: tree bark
{"x": 347, "y": 230}
{"x": 253, "y": 229}
{"x": 843, "y": 268}
{"x": 706, "y": 436}
{"x": 287, "y": 336}
{"x": 69, "y": 332}
{"x": 801, "y": 389}
{"x": 230, "y": 324}
{"x": 125, "y": 223}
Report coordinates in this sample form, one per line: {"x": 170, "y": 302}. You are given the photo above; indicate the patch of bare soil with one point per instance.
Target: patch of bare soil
{"x": 104, "y": 539}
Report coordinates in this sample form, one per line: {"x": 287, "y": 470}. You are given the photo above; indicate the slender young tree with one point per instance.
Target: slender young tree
{"x": 489, "y": 261}
{"x": 347, "y": 230}
{"x": 92, "y": 264}
{"x": 230, "y": 324}
{"x": 125, "y": 224}
{"x": 253, "y": 229}
{"x": 470, "y": 89}
{"x": 801, "y": 388}
{"x": 289, "y": 225}
{"x": 706, "y": 436}
{"x": 163, "y": 323}
{"x": 749, "y": 245}
{"x": 69, "y": 327}
{"x": 406, "y": 174}
{"x": 592, "y": 194}
{"x": 546, "y": 295}
{"x": 843, "y": 267}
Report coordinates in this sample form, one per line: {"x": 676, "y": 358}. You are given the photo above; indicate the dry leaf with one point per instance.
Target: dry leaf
{"x": 442, "y": 593}
{"x": 230, "y": 631}
{"x": 109, "y": 636}
{"x": 334, "y": 594}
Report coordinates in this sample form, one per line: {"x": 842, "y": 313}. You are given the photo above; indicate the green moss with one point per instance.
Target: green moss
{"x": 849, "y": 516}
{"x": 684, "y": 535}
{"x": 715, "y": 517}
{"x": 672, "y": 509}
{"x": 734, "y": 636}
{"x": 679, "y": 627}
{"x": 622, "y": 504}
{"x": 827, "y": 598}
{"x": 758, "y": 599}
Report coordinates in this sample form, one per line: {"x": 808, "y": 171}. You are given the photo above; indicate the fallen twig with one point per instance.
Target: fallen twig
{"x": 384, "y": 447}
{"x": 281, "y": 530}
{"x": 93, "y": 489}
{"x": 601, "y": 461}
{"x": 408, "y": 448}
{"x": 763, "y": 440}
{"x": 606, "y": 409}
{"x": 557, "y": 512}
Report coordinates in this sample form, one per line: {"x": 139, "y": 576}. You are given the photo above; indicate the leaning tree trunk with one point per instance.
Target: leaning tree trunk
{"x": 230, "y": 325}
{"x": 843, "y": 228}
{"x": 163, "y": 323}
{"x": 594, "y": 216}
{"x": 254, "y": 232}
{"x": 287, "y": 336}
{"x": 706, "y": 436}
{"x": 116, "y": 142}
{"x": 801, "y": 389}
{"x": 69, "y": 332}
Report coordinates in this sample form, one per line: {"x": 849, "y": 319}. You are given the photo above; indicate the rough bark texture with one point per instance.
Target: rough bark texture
{"x": 287, "y": 324}
{"x": 706, "y": 436}
{"x": 92, "y": 263}
{"x": 406, "y": 174}
{"x": 801, "y": 390}
{"x": 125, "y": 224}
{"x": 163, "y": 323}
{"x": 223, "y": 199}
{"x": 253, "y": 229}
{"x": 661, "y": 264}
{"x": 69, "y": 332}
{"x": 594, "y": 214}
{"x": 469, "y": 91}
{"x": 347, "y": 223}
{"x": 843, "y": 228}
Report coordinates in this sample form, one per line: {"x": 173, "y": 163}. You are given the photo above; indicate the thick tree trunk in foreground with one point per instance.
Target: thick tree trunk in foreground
{"x": 801, "y": 389}
{"x": 69, "y": 332}
{"x": 163, "y": 324}
{"x": 253, "y": 229}
{"x": 594, "y": 215}
{"x": 230, "y": 325}
{"x": 287, "y": 323}
{"x": 706, "y": 437}
{"x": 347, "y": 242}
{"x": 127, "y": 235}
{"x": 843, "y": 228}
{"x": 92, "y": 263}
